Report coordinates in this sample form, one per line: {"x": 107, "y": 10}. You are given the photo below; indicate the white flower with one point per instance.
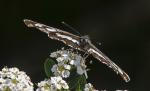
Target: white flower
{"x": 68, "y": 67}
{"x": 80, "y": 64}
{"x": 61, "y": 70}
{"x": 59, "y": 82}
{"x": 54, "y": 54}
{"x": 11, "y": 79}
{"x": 89, "y": 87}
{"x": 80, "y": 70}
{"x": 66, "y": 60}
{"x": 60, "y": 59}
{"x": 65, "y": 73}
{"x": 53, "y": 84}
{"x": 72, "y": 62}
{"x": 44, "y": 86}
{"x": 55, "y": 81}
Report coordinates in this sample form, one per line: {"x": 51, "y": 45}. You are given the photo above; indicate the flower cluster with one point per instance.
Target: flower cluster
{"x": 53, "y": 84}
{"x": 11, "y": 79}
{"x": 89, "y": 87}
{"x": 66, "y": 60}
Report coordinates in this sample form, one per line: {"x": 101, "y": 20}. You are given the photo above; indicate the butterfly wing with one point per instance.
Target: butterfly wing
{"x": 74, "y": 42}
{"x": 57, "y": 34}
{"x": 105, "y": 60}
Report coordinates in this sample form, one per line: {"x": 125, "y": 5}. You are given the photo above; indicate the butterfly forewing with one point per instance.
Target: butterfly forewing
{"x": 57, "y": 34}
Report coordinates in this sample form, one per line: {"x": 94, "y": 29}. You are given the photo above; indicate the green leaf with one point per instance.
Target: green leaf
{"x": 48, "y": 64}
{"x": 76, "y": 82}
{"x": 78, "y": 87}
{"x": 81, "y": 83}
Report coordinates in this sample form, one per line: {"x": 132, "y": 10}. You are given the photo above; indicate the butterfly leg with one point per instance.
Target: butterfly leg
{"x": 86, "y": 54}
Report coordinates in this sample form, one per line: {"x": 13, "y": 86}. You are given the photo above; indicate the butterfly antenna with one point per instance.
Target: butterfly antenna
{"x": 67, "y": 25}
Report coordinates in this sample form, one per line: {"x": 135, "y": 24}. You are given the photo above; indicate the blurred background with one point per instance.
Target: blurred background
{"x": 121, "y": 26}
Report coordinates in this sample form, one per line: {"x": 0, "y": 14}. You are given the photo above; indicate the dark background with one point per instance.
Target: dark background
{"x": 121, "y": 26}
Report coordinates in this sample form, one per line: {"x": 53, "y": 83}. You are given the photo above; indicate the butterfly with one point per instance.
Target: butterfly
{"x": 82, "y": 43}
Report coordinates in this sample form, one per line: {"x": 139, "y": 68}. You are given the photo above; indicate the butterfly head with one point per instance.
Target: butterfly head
{"x": 85, "y": 39}
{"x": 85, "y": 42}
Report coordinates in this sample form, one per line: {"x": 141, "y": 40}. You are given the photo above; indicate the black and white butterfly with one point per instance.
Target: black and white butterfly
{"x": 82, "y": 43}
